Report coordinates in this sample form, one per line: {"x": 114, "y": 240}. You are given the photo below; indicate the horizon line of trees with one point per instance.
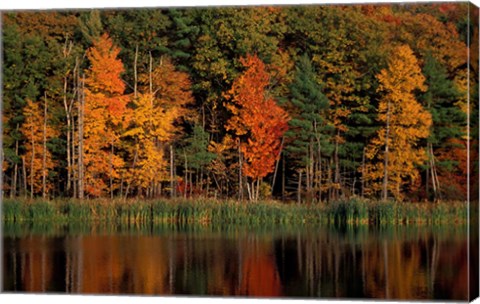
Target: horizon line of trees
{"x": 305, "y": 103}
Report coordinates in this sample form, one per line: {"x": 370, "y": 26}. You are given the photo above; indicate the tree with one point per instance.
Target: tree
{"x": 448, "y": 123}
{"x": 308, "y": 129}
{"x": 104, "y": 117}
{"x": 259, "y": 131}
{"x": 154, "y": 125}
{"x": 394, "y": 152}
{"x": 38, "y": 158}
{"x": 149, "y": 126}
{"x": 347, "y": 49}
{"x": 197, "y": 155}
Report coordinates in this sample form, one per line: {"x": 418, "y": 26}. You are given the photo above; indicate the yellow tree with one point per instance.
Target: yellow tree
{"x": 37, "y": 159}
{"x": 153, "y": 124}
{"x": 393, "y": 153}
{"x": 104, "y": 117}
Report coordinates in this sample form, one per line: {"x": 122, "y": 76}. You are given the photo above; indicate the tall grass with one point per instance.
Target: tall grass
{"x": 203, "y": 211}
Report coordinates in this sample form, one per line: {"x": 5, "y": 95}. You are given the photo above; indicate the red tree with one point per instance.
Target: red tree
{"x": 258, "y": 122}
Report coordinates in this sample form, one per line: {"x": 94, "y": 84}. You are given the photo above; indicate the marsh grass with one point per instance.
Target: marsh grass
{"x": 205, "y": 212}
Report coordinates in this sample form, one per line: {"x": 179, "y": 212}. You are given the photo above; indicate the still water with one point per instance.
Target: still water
{"x": 318, "y": 262}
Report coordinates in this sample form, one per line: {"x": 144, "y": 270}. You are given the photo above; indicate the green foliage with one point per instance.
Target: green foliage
{"x": 91, "y": 26}
{"x": 309, "y": 124}
{"x": 449, "y": 120}
{"x": 196, "y": 149}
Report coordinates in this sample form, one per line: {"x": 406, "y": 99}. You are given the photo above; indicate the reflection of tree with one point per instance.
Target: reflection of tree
{"x": 259, "y": 274}
{"x": 418, "y": 264}
{"x": 391, "y": 265}
{"x": 36, "y": 273}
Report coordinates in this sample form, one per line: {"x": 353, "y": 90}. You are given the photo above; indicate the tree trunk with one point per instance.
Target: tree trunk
{"x": 433, "y": 169}
{"x": 172, "y": 182}
{"x": 74, "y": 153}
{"x": 307, "y": 172}
{"x": 240, "y": 183}
{"x": 69, "y": 146}
{"x": 150, "y": 68}
{"x": 385, "y": 165}
{"x": 185, "y": 180}
{"x": 31, "y": 166}
{"x": 80, "y": 140}
{"x": 24, "y": 169}
{"x": 135, "y": 74}
{"x": 363, "y": 173}
{"x": 283, "y": 177}
{"x": 191, "y": 182}
{"x": 67, "y": 114}
{"x": 312, "y": 173}
{"x": 44, "y": 152}
{"x": 336, "y": 178}
{"x": 111, "y": 171}
{"x": 299, "y": 190}
{"x": 257, "y": 195}
{"x": 330, "y": 180}
{"x": 135, "y": 156}
{"x": 318, "y": 182}
{"x": 276, "y": 166}
{"x": 13, "y": 190}
{"x": 249, "y": 192}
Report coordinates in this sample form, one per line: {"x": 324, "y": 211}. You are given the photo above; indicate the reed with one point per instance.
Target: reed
{"x": 204, "y": 212}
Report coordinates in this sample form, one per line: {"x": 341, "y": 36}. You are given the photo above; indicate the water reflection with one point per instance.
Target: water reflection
{"x": 399, "y": 263}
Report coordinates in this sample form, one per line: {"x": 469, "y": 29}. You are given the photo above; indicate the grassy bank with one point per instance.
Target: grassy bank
{"x": 351, "y": 212}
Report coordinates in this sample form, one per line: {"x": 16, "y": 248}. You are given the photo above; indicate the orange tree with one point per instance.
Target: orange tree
{"x": 105, "y": 109}
{"x": 37, "y": 160}
{"x": 257, "y": 121}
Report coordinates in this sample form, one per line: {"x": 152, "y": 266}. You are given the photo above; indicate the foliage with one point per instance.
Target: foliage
{"x": 207, "y": 95}
{"x": 404, "y": 121}
{"x": 105, "y": 116}
{"x": 36, "y": 149}
{"x": 258, "y": 131}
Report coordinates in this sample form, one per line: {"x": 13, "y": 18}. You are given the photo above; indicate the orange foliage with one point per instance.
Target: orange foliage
{"x": 32, "y": 129}
{"x": 257, "y": 117}
{"x": 105, "y": 115}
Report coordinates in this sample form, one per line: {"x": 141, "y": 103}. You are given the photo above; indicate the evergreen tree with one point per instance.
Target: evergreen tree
{"x": 448, "y": 123}
{"x": 309, "y": 131}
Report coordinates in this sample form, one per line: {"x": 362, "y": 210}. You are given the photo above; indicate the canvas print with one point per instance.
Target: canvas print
{"x": 285, "y": 151}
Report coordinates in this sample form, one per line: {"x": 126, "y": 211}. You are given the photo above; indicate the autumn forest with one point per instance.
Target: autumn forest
{"x": 293, "y": 103}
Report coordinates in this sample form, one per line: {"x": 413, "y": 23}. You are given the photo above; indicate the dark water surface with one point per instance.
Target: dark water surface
{"x": 381, "y": 263}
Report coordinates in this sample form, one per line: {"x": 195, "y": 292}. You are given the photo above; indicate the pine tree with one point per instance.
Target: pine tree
{"x": 309, "y": 131}
{"x": 448, "y": 124}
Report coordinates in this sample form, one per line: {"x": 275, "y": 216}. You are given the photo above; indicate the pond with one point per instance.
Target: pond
{"x": 395, "y": 262}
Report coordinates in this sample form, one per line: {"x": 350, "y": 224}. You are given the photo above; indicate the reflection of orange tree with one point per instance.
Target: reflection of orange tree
{"x": 260, "y": 277}
{"x": 139, "y": 268}
{"x": 36, "y": 264}
{"x": 411, "y": 267}
{"x": 399, "y": 267}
